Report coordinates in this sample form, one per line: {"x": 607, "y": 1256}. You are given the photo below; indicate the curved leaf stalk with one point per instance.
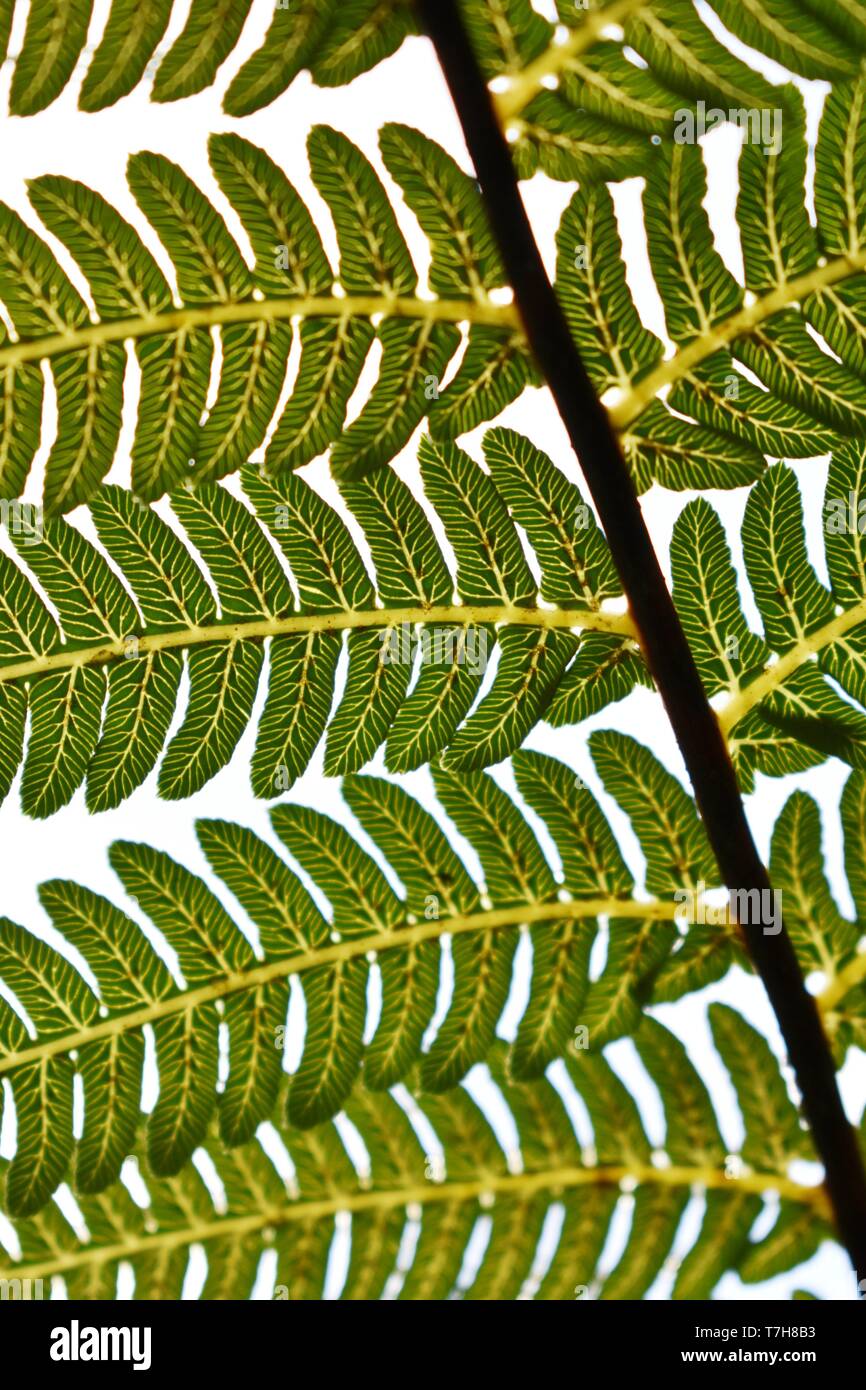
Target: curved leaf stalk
{"x": 782, "y": 669}
{"x": 411, "y": 935}
{"x": 461, "y": 614}
{"x": 674, "y": 368}
{"x": 558, "y": 57}
{"x": 847, "y": 980}
{"x": 425, "y": 1194}
{"x": 478, "y": 311}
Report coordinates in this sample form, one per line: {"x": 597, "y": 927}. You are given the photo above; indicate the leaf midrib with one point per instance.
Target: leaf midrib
{"x": 398, "y": 938}
{"x": 775, "y": 675}
{"x": 255, "y": 310}
{"x": 557, "y": 57}
{"x": 458, "y": 615}
{"x": 622, "y": 415}
{"x": 721, "y": 334}
{"x": 554, "y": 1180}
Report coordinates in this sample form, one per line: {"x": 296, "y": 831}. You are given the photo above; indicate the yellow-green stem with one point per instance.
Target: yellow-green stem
{"x": 255, "y": 311}
{"x": 558, "y": 56}
{"x": 627, "y": 410}
{"x": 555, "y": 1180}
{"x": 64, "y": 658}
{"x": 781, "y": 670}
{"x": 410, "y": 935}
{"x": 853, "y": 975}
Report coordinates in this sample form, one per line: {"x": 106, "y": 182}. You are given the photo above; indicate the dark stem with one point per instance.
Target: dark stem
{"x": 665, "y": 647}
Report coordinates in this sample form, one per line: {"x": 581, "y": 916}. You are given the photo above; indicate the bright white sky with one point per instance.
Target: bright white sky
{"x": 408, "y": 88}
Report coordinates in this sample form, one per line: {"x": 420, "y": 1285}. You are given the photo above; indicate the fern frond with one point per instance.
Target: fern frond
{"x": 127, "y": 642}
{"x": 225, "y": 979}
{"x": 597, "y": 106}
{"x": 749, "y": 378}
{"x": 474, "y": 1183}
{"x": 337, "y": 41}
{"x": 773, "y": 367}
{"x": 250, "y": 314}
{"x": 783, "y": 712}
{"x": 576, "y": 104}
{"x": 57, "y": 1025}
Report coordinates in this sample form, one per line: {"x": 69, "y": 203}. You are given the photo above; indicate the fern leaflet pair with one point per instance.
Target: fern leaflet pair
{"x": 772, "y": 368}
{"x": 129, "y": 638}
{"x": 236, "y": 979}
{"x": 548, "y": 1208}
{"x": 173, "y": 326}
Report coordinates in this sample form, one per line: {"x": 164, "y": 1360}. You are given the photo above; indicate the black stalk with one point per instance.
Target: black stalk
{"x": 664, "y": 643}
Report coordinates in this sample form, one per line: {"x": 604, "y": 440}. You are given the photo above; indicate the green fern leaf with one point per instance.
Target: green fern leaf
{"x": 592, "y": 865}
{"x": 664, "y": 816}
{"x": 696, "y": 287}
{"x": 596, "y": 124}
{"x": 792, "y": 1241}
{"x": 772, "y": 1124}
{"x": 132, "y": 640}
{"x": 226, "y": 981}
{"x": 209, "y": 35}
{"x": 131, "y": 35}
{"x": 54, "y": 37}
{"x": 748, "y": 378}
{"x": 781, "y": 713}
{"x": 361, "y": 34}
{"x": 95, "y": 643}
{"x": 614, "y": 346}
{"x": 399, "y": 1186}
{"x": 794, "y": 38}
{"x": 183, "y": 435}
{"x": 608, "y": 112}
{"x": 291, "y": 41}
{"x": 708, "y": 602}
{"x": 515, "y": 870}
{"x": 506, "y": 35}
